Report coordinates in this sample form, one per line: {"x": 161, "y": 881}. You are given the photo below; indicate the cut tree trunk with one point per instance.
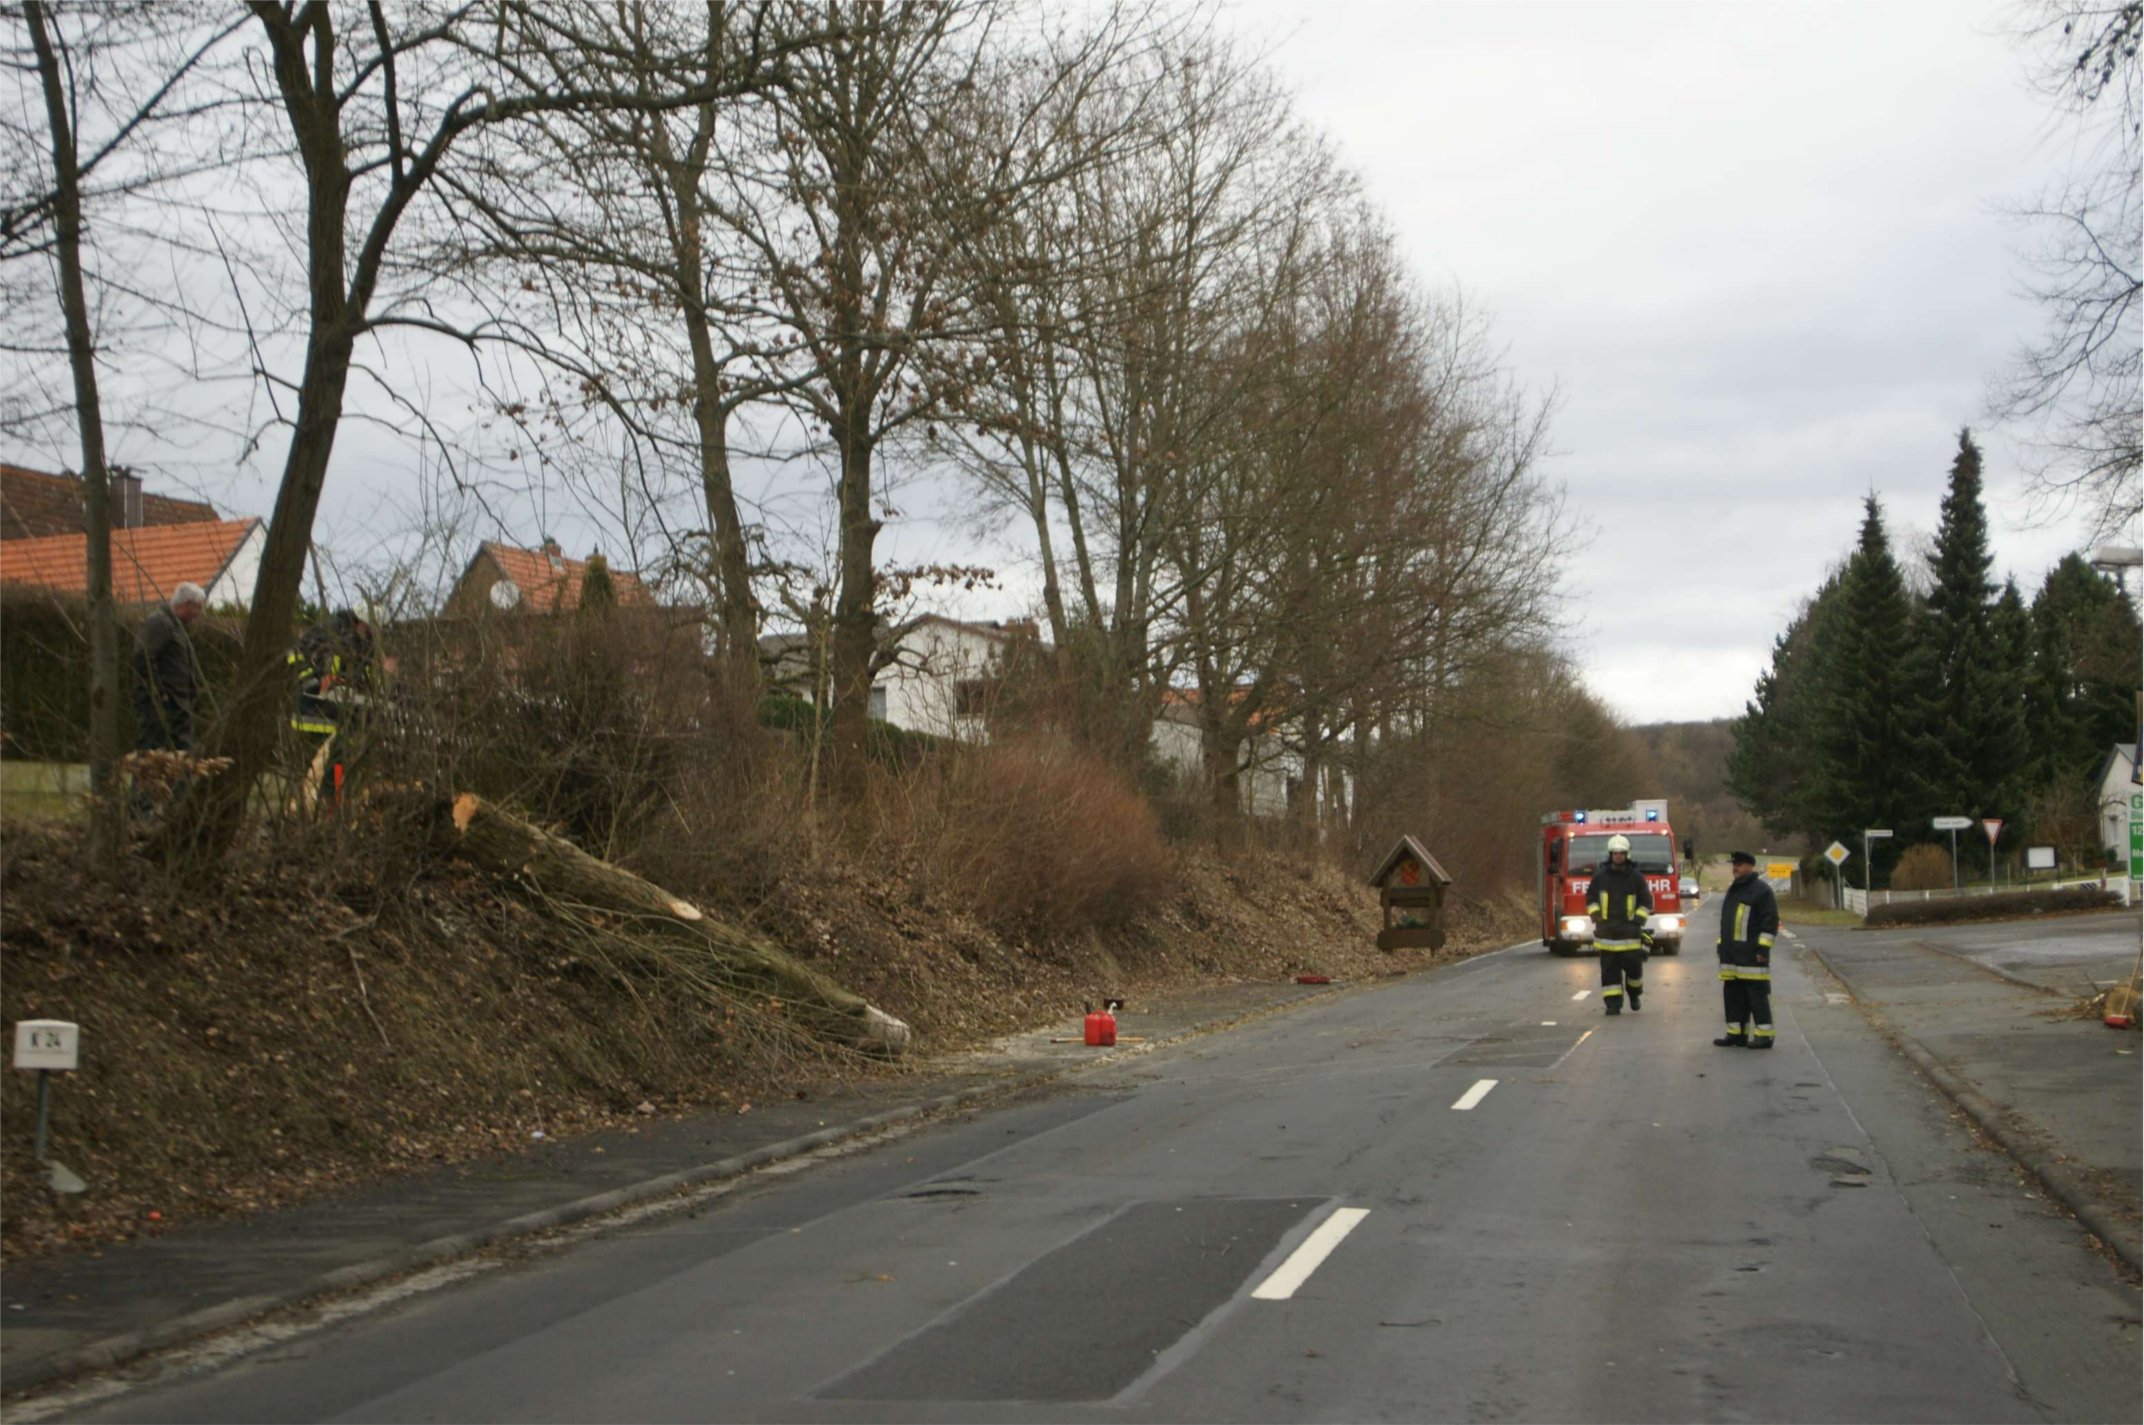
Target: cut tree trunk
{"x": 502, "y": 843}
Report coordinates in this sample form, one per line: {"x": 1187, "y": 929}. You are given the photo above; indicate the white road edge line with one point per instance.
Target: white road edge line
{"x": 1581, "y": 994}
{"x": 1474, "y": 1095}
{"x": 1310, "y": 1256}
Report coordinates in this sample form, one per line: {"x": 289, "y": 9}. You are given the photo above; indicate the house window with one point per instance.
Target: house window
{"x": 878, "y": 701}
{"x": 971, "y": 697}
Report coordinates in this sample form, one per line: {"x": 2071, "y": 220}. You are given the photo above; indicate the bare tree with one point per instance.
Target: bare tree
{"x": 377, "y": 109}
{"x": 600, "y": 251}
{"x": 893, "y": 154}
{"x": 2079, "y": 386}
{"x": 47, "y": 219}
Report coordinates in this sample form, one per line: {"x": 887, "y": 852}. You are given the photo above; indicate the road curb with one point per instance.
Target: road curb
{"x": 112, "y": 1352}
{"x": 2045, "y": 1168}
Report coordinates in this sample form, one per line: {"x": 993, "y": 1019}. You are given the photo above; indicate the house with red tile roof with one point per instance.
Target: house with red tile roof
{"x": 222, "y": 556}
{"x": 35, "y": 504}
{"x": 503, "y": 579}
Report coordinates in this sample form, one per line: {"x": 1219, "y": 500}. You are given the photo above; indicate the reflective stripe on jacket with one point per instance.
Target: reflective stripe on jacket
{"x": 1749, "y": 922}
{"x": 1620, "y": 903}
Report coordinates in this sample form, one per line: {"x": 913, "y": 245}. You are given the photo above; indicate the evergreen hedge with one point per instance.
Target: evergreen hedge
{"x": 44, "y": 673}
{"x": 2006, "y": 906}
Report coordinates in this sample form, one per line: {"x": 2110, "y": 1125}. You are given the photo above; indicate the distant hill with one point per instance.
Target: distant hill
{"x": 1690, "y": 770}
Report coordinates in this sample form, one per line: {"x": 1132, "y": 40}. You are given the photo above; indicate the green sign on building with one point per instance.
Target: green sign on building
{"x": 2136, "y": 834}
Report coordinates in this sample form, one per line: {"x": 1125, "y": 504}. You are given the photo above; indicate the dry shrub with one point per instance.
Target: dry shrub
{"x": 587, "y": 723}
{"x": 728, "y": 829}
{"x": 1925, "y": 867}
{"x": 1033, "y": 836}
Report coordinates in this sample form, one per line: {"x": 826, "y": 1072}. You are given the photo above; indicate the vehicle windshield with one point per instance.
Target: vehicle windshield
{"x": 1648, "y": 853}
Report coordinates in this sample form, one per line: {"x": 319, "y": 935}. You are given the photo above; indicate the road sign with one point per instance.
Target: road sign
{"x": 1875, "y": 832}
{"x": 1779, "y": 870}
{"x": 1952, "y": 823}
{"x": 1836, "y": 854}
{"x": 1993, "y": 826}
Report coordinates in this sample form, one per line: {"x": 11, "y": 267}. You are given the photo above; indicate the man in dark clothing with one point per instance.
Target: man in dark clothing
{"x": 165, "y": 674}
{"x": 1620, "y": 903}
{"x": 1749, "y": 922}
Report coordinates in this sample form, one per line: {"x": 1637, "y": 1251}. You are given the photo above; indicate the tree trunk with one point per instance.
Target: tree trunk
{"x": 855, "y": 624}
{"x": 251, "y": 729}
{"x": 506, "y": 845}
{"x": 96, "y": 478}
{"x": 737, "y": 611}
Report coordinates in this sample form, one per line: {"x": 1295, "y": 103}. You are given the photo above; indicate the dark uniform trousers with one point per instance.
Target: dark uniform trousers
{"x": 1749, "y": 923}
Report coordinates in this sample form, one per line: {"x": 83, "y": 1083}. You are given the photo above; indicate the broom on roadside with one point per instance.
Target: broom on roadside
{"x": 2121, "y": 1002}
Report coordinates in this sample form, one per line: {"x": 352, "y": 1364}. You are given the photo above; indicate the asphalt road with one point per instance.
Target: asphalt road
{"x": 1467, "y": 1195}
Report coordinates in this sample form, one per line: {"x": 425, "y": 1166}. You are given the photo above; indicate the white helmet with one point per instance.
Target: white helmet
{"x": 1619, "y": 843}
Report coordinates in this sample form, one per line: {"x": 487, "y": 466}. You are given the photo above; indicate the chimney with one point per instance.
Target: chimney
{"x": 553, "y": 552}
{"x": 126, "y": 499}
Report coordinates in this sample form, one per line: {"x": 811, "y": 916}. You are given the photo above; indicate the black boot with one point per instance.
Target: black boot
{"x": 1732, "y": 1041}
{"x": 1613, "y": 1004}
{"x": 1761, "y": 1041}
{"x": 1633, "y": 998}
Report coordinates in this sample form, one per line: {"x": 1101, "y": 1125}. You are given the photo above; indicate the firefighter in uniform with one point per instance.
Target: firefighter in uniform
{"x": 1749, "y": 922}
{"x": 332, "y": 667}
{"x": 1620, "y": 903}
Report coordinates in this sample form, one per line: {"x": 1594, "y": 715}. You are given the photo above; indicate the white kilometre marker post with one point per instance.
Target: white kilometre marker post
{"x": 1310, "y": 1256}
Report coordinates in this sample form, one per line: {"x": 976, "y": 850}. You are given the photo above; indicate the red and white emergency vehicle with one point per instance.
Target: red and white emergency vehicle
{"x": 1574, "y": 843}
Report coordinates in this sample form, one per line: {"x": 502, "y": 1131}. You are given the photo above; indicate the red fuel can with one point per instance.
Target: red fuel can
{"x": 1101, "y": 1029}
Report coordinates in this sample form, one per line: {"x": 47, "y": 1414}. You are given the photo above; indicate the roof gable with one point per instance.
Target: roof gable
{"x": 147, "y": 563}
{"x": 1409, "y": 847}
{"x": 551, "y": 583}
{"x": 35, "y": 504}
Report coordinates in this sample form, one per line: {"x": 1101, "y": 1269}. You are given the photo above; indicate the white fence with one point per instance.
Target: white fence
{"x": 1859, "y": 901}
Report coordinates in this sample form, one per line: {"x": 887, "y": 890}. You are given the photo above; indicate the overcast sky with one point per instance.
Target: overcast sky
{"x": 1759, "y": 248}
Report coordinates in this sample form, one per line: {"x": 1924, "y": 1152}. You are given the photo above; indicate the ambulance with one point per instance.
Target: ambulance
{"x": 1575, "y": 843}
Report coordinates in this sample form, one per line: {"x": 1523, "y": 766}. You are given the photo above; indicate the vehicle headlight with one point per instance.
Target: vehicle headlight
{"x": 1667, "y": 925}
{"x": 1577, "y": 927}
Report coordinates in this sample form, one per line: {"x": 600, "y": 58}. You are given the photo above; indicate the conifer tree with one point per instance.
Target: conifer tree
{"x": 2085, "y": 670}
{"x": 1967, "y": 717}
{"x": 599, "y": 593}
{"x": 1866, "y": 773}
{"x": 2004, "y": 722}
{"x": 1771, "y": 762}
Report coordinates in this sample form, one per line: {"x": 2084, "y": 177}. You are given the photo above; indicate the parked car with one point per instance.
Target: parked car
{"x": 1690, "y": 892}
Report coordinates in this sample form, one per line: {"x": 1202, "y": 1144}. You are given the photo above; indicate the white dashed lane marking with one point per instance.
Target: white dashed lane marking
{"x": 1307, "y": 1258}
{"x": 1581, "y": 994}
{"x": 1474, "y": 1095}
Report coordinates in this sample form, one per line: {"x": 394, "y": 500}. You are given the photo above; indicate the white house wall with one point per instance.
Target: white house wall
{"x": 233, "y": 588}
{"x": 2114, "y": 794}
{"x": 922, "y": 686}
